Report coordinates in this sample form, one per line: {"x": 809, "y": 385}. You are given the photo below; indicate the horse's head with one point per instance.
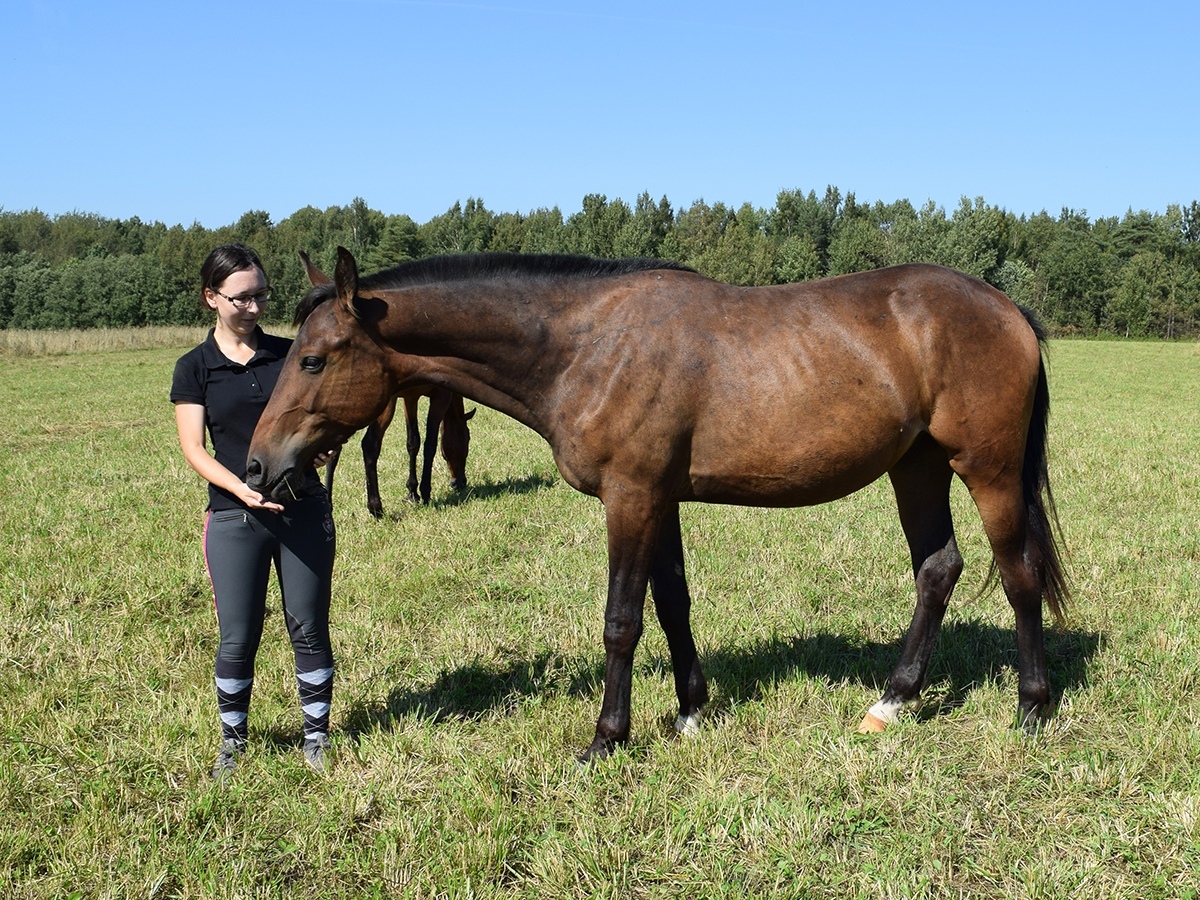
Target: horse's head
{"x": 334, "y": 380}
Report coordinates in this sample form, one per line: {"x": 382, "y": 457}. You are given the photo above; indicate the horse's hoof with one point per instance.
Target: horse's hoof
{"x": 689, "y": 725}
{"x": 591, "y": 755}
{"x": 1030, "y": 722}
{"x": 871, "y": 724}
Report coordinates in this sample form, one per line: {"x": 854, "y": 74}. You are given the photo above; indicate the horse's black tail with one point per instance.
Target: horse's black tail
{"x": 1041, "y": 514}
{"x": 1035, "y": 484}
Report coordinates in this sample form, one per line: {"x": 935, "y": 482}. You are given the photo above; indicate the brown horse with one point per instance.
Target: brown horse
{"x": 445, "y": 415}
{"x": 655, "y": 385}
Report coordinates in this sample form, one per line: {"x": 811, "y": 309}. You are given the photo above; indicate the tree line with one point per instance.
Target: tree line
{"x": 1131, "y": 276}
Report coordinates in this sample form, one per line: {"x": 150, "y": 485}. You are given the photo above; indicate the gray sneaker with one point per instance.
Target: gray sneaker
{"x": 228, "y": 758}
{"x": 316, "y": 752}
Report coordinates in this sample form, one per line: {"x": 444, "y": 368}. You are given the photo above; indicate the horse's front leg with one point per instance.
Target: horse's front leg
{"x": 632, "y": 535}
{"x": 673, "y": 603}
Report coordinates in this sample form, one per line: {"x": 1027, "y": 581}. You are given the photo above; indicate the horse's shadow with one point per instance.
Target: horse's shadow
{"x": 476, "y": 491}
{"x": 486, "y": 490}
{"x": 969, "y": 655}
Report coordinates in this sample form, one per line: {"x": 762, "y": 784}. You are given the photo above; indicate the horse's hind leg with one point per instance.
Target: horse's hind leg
{"x": 672, "y": 604}
{"x": 1021, "y": 564}
{"x": 921, "y": 481}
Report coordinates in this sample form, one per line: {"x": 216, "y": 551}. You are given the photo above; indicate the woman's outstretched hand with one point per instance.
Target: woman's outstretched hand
{"x": 255, "y": 500}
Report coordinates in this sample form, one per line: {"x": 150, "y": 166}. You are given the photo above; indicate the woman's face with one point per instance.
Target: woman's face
{"x": 238, "y": 300}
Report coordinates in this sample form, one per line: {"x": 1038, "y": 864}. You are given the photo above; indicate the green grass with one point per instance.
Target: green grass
{"x": 469, "y": 672}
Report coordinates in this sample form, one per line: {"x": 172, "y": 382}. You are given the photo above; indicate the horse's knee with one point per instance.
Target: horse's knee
{"x": 621, "y": 635}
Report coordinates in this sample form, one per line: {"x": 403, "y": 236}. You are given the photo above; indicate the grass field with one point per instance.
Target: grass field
{"x": 469, "y": 651}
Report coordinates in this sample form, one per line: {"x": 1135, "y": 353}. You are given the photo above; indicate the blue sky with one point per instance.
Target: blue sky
{"x": 188, "y": 111}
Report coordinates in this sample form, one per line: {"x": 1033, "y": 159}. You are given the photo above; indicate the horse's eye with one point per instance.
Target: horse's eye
{"x": 312, "y": 364}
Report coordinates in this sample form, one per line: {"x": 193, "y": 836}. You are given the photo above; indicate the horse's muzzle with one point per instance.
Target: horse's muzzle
{"x": 259, "y": 478}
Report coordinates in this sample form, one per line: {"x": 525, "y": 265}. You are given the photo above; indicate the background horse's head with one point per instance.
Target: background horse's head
{"x": 333, "y": 382}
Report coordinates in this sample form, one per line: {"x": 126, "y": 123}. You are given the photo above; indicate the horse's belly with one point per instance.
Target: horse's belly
{"x": 765, "y": 489}
{"x": 802, "y": 474}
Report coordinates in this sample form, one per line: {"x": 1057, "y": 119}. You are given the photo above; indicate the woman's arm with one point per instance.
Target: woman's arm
{"x": 189, "y": 421}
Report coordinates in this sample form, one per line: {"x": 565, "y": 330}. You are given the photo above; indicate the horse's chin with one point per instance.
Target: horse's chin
{"x": 275, "y": 486}
{"x": 284, "y": 488}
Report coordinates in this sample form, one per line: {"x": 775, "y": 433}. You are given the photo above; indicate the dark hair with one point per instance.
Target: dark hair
{"x": 223, "y": 262}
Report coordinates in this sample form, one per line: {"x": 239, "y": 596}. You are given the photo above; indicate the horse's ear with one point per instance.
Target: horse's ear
{"x": 346, "y": 276}
{"x": 315, "y": 275}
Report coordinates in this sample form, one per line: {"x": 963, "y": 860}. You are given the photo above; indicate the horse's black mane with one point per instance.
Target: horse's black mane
{"x": 482, "y": 266}
{"x": 474, "y": 266}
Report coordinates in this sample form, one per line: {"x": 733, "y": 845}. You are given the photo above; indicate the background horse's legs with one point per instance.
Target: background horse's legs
{"x": 921, "y": 481}
{"x": 673, "y": 604}
{"x": 330, "y": 468}
{"x": 632, "y": 537}
{"x": 439, "y": 402}
{"x": 456, "y": 441}
{"x": 412, "y": 442}
{"x": 372, "y": 444}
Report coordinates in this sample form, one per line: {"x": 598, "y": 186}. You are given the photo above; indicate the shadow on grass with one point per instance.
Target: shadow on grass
{"x": 484, "y": 490}
{"x": 968, "y": 655}
{"x": 468, "y": 691}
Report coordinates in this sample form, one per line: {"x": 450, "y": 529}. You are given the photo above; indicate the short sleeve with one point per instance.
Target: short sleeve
{"x": 187, "y": 385}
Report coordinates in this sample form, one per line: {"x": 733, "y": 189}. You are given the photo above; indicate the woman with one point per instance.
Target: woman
{"x": 222, "y": 386}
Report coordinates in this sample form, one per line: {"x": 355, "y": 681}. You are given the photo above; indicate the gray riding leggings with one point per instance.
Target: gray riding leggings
{"x": 240, "y": 547}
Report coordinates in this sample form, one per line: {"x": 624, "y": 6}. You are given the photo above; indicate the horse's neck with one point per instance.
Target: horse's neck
{"x": 486, "y": 344}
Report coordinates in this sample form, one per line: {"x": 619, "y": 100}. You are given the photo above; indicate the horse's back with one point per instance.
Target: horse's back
{"x": 799, "y": 394}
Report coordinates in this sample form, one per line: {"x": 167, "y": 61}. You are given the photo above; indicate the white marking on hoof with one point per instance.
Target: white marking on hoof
{"x": 880, "y": 716}
{"x": 688, "y": 726}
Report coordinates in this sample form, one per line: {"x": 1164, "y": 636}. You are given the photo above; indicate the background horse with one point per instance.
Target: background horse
{"x": 446, "y": 414}
{"x": 655, "y": 385}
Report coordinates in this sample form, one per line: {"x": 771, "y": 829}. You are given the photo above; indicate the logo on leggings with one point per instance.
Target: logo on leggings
{"x": 329, "y": 525}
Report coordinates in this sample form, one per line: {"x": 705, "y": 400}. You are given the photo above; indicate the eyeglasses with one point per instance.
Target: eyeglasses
{"x": 262, "y": 298}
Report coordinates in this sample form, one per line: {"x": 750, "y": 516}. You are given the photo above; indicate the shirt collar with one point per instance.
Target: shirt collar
{"x": 215, "y": 359}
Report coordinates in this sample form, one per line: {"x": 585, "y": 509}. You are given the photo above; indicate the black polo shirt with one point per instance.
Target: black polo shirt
{"x": 234, "y": 397}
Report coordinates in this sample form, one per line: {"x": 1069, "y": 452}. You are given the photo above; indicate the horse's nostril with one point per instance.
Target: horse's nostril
{"x": 253, "y": 468}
